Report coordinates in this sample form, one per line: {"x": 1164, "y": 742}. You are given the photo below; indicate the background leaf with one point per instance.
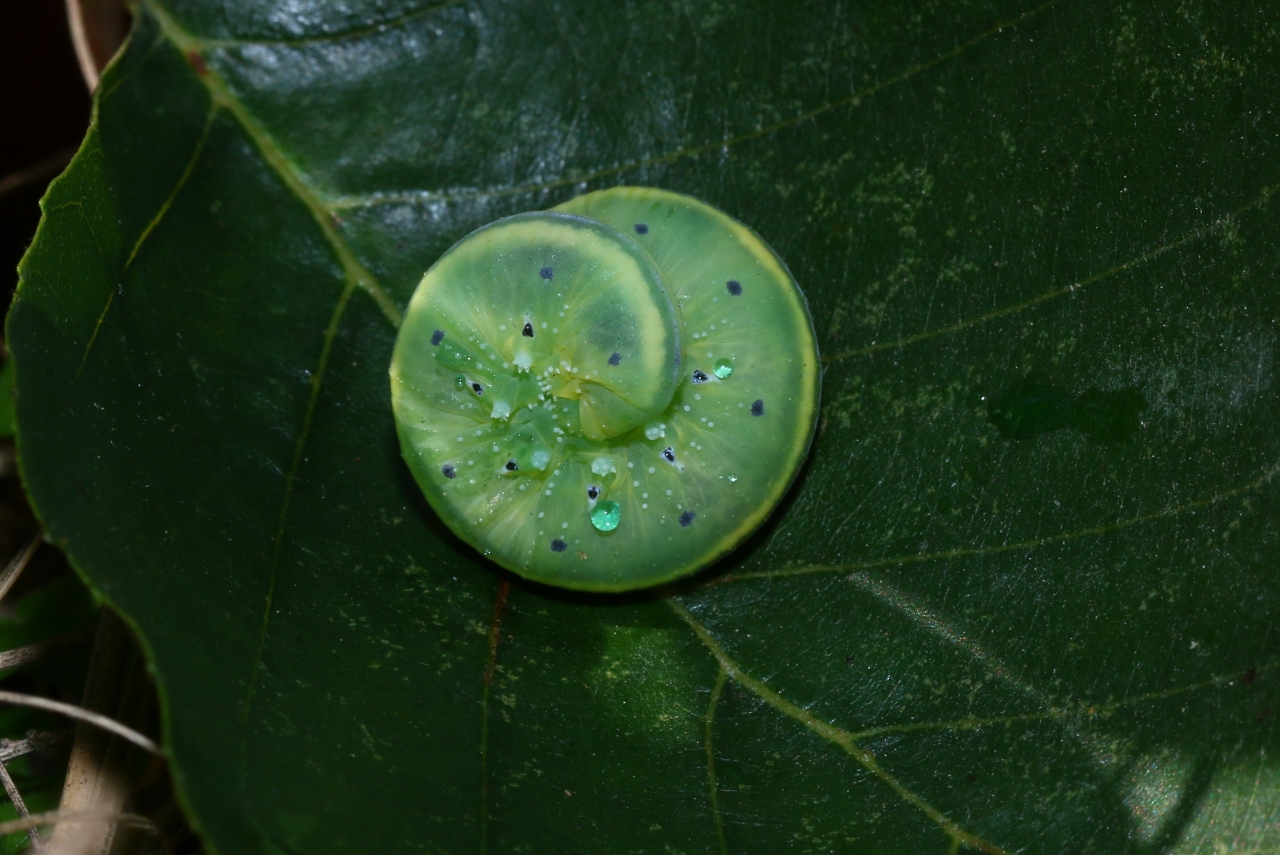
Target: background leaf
{"x": 1024, "y": 597}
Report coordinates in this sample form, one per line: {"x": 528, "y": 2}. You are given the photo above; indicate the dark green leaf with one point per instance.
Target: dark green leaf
{"x": 1024, "y": 597}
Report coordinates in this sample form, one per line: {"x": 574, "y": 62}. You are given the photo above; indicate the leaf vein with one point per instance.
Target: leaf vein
{"x": 1257, "y": 483}
{"x": 1151, "y": 255}
{"x": 833, "y": 734}
{"x": 279, "y": 162}
{"x": 339, "y": 203}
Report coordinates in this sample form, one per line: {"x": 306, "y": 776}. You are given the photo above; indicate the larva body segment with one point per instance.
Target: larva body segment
{"x": 609, "y": 395}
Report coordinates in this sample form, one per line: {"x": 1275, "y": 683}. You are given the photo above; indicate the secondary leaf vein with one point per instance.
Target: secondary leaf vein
{"x": 367, "y": 200}
{"x": 833, "y": 734}
{"x": 1163, "y": 248}
{"x": 1257, "y": 483}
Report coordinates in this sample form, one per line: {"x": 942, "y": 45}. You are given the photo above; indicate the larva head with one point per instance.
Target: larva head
{"x": 609, "y": 395}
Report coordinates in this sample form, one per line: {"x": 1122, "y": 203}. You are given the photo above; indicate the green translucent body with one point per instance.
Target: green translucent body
{"x": 634, "y": 297}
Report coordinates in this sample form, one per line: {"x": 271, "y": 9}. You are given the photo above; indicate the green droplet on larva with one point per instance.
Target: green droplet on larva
{"x": 606, "y": 515}
{"x": 608, "y": 389}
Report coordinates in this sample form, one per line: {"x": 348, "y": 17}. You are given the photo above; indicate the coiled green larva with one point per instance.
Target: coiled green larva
{"x": 607, "y": 395}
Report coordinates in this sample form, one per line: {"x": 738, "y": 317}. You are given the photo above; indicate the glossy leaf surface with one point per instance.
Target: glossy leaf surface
{"x": 1024, "y": 597}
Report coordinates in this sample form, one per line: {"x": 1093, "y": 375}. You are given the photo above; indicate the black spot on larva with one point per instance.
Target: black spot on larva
{"x": 448, "y": 470}
{"x": 437, "y": 337}
{"x": 615, "y": 359}
{"x": 478, "y": 388}
{"x": 642, "y": 229}
{"x": 734, "y": 286}
{"x": 527, "y": 332}
{"x": 669, "y": 454}
{"x": 699, "y": 377}
{"x": 593, "y": 492}
{"x": 686, "y": 518}
{"x": 545, "y": 273}
{"x": 512, "y": 466}
{"x": 757, "y": 407}
{"x": 558, "y": 545}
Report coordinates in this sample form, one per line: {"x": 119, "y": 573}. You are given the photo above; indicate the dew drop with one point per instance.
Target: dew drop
{"x": 723, "y": 368}
{"x": 606, "y": 515}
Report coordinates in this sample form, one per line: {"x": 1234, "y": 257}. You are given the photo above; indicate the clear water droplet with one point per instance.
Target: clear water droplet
{"x": 606, "y": 515}
{"x": 723, "y": 368}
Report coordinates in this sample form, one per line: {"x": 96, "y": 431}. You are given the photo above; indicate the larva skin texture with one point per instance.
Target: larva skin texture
{"x": 633, "y": 297}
